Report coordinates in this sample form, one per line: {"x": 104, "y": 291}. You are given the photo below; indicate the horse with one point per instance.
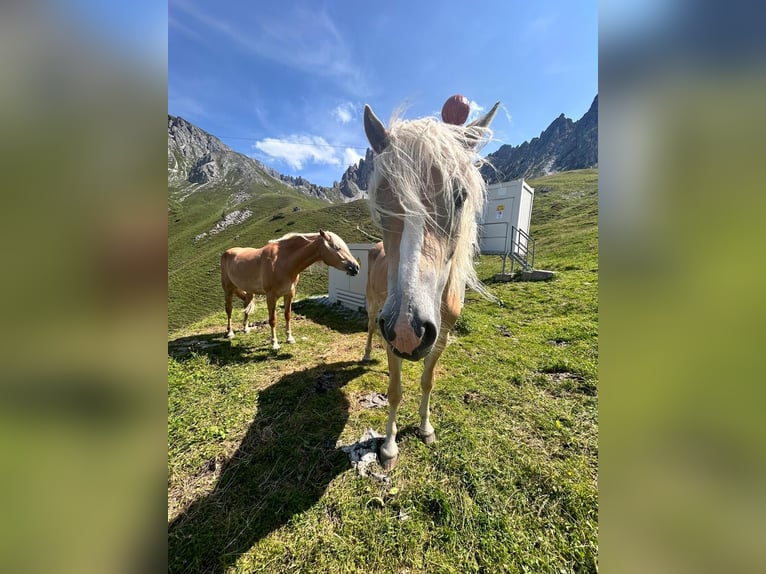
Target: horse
{"x": 274, "y": 270}
{"x": 426, "y": 194}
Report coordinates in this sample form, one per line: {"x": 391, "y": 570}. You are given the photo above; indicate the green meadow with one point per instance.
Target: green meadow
{"x": 257, "y": 481}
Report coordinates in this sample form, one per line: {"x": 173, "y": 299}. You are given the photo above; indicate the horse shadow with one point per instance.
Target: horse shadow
{"x": 222, "y": 351}
{"x": 334, "y": 316}
{"x": 281, "y": 468}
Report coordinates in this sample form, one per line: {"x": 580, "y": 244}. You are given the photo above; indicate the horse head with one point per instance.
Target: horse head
{"x": 426, "y": 194}
{"x": 334, "y": 252}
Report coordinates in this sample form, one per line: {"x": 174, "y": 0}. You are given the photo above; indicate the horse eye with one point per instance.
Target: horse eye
{"x": 460, "y": 198}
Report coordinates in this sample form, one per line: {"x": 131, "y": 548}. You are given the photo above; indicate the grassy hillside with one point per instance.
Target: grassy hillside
{"x": 564, "y": 204}
{"x": 256, "y": 479}
{"x": 194, "y": 287}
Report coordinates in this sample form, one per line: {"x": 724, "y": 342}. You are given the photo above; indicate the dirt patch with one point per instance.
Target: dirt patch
{"x": 504, "y": 331}
{"x": 473, "y": 397}
{"x": 187, "y": 345}
{"x": 560, "y": 377}
{"x": 372, "y": 400}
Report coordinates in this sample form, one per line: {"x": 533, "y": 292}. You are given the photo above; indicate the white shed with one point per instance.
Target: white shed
{"x": 347, "y": 290}
{"x": 504, "y": 225}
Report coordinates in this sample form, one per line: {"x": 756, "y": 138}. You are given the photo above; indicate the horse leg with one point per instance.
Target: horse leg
{"x": 427, "y": 434}
{"x": 372, "y": 325}
{"x": 248, "y": 309}
{"x": 288, "y": 314}
{"x": 271, "y": 302}
{"x": 228, "y": 296}
{"x": 389, "y": 452}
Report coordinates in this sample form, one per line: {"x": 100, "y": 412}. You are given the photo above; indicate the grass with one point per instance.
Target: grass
{"x": 257, "y": 483}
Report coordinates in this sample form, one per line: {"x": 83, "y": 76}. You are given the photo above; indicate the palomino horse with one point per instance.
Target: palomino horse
{"x": 426, "y": 195}
{"x": 273, "y": 270}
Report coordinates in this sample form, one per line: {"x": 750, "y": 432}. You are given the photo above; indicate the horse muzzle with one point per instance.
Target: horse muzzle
{"x": 352, "y": 269}
{"x": 413, "y": 341}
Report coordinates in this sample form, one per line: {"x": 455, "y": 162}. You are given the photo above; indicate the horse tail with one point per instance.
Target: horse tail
{"x": 250, "y": 307}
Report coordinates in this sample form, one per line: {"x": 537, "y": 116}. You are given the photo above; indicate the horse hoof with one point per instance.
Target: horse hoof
{"x": 290, "y": 340}
{"x": 388, "y": 464}
{"x": 428, "y": 438}
{"x": 367, "y": 359}
{"x": 275, "y": 347}
{"x": 230, "y": 335}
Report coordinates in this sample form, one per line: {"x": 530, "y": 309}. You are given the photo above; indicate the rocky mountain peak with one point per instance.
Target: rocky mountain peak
{"x": 355, "y": 179}
{"x": 564, "y": 145}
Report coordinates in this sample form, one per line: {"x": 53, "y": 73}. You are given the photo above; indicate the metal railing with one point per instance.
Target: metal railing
{"x": 520, "y": 247}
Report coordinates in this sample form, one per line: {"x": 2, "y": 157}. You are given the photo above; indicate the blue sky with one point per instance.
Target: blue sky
{"x": 286, "y": 81}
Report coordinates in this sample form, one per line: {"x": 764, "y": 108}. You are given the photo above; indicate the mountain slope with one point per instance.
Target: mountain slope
{"x": 196, "y": 157}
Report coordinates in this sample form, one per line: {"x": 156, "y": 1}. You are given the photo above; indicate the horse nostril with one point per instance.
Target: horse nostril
{"x": 429, "y": 335}
{"x": 386, "y": 335}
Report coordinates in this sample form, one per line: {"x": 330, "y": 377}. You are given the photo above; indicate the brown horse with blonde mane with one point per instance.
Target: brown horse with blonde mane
{"x": 274, "y": 270}
{"x": 426, "y": 195}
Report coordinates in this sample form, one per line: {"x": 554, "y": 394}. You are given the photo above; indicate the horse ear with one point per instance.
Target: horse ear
{"x": 476, "y": 130}
{"x": 375, "y": 130}
{"x": 486, "y": 119}
{"x": 322, "y": 233}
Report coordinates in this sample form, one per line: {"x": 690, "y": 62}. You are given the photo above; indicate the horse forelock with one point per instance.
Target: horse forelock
{"x": 335, "y": 239}
{"x": 417, "y": 150}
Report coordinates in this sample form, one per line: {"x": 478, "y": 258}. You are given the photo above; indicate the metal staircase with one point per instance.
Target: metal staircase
{"x": 513, "y": 242}
{"x": 522, "y": 250}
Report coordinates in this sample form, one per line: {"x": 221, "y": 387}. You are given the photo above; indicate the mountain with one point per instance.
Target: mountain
{"x": 354, "y": 182}
{"x": 312, "y": 189}
{"x": 196, "y": 157}
{"x": 563, "y": 146}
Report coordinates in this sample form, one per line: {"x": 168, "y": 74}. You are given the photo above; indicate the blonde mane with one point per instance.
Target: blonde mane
{"x": 417, "y": 150}
{"x": 307, "y": 236}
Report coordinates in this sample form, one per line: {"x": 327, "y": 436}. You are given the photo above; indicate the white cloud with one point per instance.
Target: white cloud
{"x": 475, "y": 110}
{"x": 506, "y": 112}
{"x": 351, "y": 156}
{"x": 344, "y": 113}
{"x": 296, "y": 150}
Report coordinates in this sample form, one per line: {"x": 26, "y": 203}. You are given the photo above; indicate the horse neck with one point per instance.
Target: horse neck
{"x": 300, "y": 251}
